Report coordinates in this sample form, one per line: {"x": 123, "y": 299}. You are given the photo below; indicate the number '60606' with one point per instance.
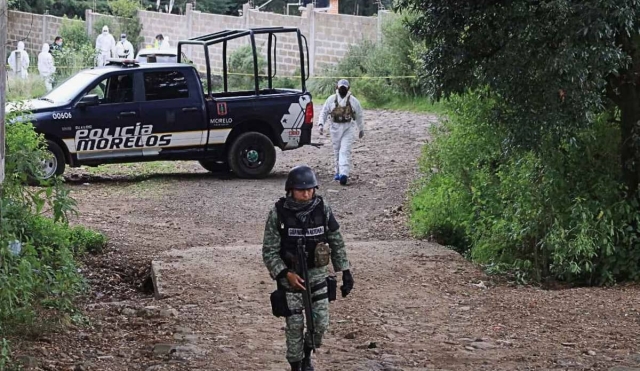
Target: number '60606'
{"x": 61, "y": 115}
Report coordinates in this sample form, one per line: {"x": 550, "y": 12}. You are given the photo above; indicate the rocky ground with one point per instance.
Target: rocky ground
{"x": 415, "y": 306}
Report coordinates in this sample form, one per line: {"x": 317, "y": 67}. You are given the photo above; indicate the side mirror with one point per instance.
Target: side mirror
{"x": 88, "y": 100}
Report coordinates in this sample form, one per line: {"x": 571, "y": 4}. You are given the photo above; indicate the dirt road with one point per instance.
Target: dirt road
{"x": 415, "y": 306}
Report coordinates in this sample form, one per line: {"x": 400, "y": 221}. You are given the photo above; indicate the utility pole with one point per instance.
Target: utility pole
{"x": 3, "y": 80}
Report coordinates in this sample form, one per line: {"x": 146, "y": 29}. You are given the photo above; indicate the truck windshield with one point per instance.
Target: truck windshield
{"x": 71, "y": 87}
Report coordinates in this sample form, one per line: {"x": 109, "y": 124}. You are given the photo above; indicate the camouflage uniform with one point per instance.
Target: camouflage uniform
{"x": 275, "y": 265}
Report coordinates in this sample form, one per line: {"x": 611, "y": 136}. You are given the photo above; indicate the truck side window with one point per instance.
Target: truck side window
{"x": 165, "y": 85}
{"x": 114, "y": 89}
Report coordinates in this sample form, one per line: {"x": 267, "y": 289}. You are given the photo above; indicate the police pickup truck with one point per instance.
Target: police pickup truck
{"x": 131, "y": 112}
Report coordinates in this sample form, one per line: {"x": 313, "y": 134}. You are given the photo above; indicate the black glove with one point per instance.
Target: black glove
{"x": 347, "y": 283}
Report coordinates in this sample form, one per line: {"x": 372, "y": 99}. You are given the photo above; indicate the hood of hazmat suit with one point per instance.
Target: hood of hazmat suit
{"x": 46, "y": 66}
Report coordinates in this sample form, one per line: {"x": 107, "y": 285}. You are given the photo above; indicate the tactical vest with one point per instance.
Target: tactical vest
{"x": 291, "y": 229}
{"x": 344, "y": 114}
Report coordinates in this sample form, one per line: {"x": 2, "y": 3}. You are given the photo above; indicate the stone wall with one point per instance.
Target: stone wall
{"x": 329, "y": 35}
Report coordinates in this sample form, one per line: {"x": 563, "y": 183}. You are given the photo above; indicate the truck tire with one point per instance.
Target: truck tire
{"x": 252, "y": 155}
{"x": 214, "y": 166}
{"x": 52, "y": 165}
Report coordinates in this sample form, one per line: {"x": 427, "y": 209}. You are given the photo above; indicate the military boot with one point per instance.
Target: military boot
{"x": 296, "y": 366}
{"x": 306, "y": 362}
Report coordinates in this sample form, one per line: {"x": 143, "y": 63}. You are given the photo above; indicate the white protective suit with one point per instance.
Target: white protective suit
{"x": 343, "y": 134}
{"x": 124, "y": 49}
{"x": 46, "y": 66}
{"x": 19, "y": 61}
{"x": 164, "y": 44}
{"x": 105, "y": 43}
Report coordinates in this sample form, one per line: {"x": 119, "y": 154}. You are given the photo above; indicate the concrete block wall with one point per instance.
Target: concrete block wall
{"x": 287, "y": 49}
{"x": 203, "y": 24}
{"x": 33, "y": 30}
{"x": 26, "y": 27}
{"x": 328, "y": 35}
{"x": 334, "y": 34}
{"x": 170, "y": 25}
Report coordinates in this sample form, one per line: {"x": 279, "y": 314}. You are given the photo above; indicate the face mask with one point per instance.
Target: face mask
{"x": 59, "y": 43}
{"x": 342, "y": 91}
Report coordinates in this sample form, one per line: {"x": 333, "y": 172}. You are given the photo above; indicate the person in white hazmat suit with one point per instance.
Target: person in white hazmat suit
{"x": 347, "y": 121}
{"x": 19, "y": 61}
{"x": 161, "y": 42}
{"x": 105, "y": 43}
{"x": 46, "y": 66}
{"x": 124, "y": 49}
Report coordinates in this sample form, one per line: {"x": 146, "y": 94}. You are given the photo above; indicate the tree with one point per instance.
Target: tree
{"x": 31, "y": 6}
{"x": 554, "y": 64}
{"x": 127, "y": 13}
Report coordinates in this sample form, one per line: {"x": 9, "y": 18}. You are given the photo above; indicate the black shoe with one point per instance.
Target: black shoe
{"x": 295, "y": 366}
{"x": 306, "y": 362}
{"x": 344, "y": 179}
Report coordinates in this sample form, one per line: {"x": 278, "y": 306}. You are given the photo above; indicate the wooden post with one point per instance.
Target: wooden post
{"x": 3, "y": 80}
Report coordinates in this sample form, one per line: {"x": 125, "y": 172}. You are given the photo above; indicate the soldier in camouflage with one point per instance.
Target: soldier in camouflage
{"x": 299, "y": 212}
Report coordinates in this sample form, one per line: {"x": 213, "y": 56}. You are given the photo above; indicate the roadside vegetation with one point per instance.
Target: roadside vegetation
{"x": 40, "y": 252}
{"x": 533, "y": 171}
{"x": 39, "y": 249}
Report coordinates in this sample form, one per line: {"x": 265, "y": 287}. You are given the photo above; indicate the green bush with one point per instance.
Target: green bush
{"x": 83, "y": 240}
{"x": 21, "y": 89}
{"x": 78, "y": 52}
{"x": 38, "y": 272}
{"x": 351, "y": 65}
{"x": 374, "y": 91}
{"x": 74, "y": 33}
{"x": 554, "y": 213}
{"x": 241, "y": 69}
{"x": 70, "y": 61}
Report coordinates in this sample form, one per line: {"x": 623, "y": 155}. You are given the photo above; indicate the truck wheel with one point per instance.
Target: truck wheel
{"x": 52, "y": 165}
{"x": 252, "y": 155}
{"x": 214, "y": 166}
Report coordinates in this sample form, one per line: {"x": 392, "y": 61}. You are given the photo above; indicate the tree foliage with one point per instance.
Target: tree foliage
{"x": 555, "y": 64}
{"x": 127, "y": 13}
{"x": 72, "y": 8}
{"x": 539, "y": 168}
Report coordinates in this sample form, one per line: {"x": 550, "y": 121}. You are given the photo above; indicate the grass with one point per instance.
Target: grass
{"x": 29, "y": 88}
{"x": 409, "y": 104}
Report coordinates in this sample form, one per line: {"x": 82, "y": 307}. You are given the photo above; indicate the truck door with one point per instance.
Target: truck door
{"x": 109, "y": 129}
{"x": 174, "y": 107}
